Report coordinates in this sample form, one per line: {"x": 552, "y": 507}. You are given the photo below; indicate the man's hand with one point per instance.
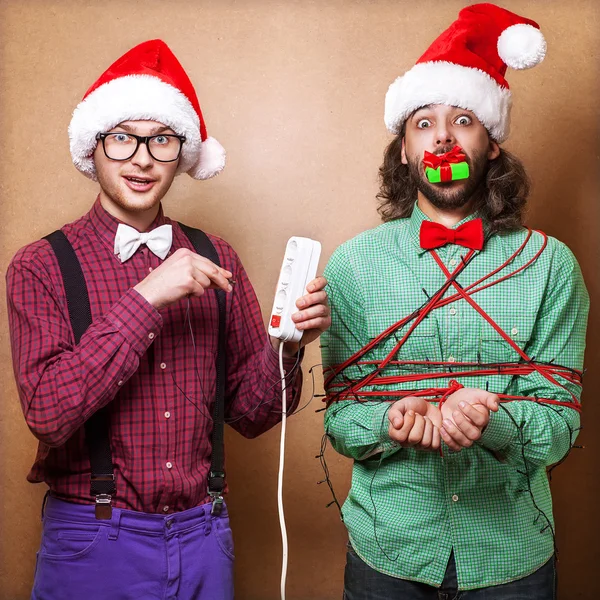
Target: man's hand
{"x": 184, "y": 273}
{"x": 415, "y": 422}
{"x": 465, "y": 415}
{"x": 313, "y": 318}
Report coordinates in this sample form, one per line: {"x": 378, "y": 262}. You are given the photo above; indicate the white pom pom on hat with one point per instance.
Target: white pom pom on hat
{"x": 521, "y": 46}
{"x": 211, "y": 160}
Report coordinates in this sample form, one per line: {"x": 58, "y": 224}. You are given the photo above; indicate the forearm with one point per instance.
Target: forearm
{"x": 61, "y": 385}
{"x": 254, "y": 405}
{"x": 540, "y": 433}
{"x": 359, "y": 430}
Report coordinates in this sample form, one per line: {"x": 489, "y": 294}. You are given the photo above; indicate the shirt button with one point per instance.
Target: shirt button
{"x": 150, "y": 269}
{"x": 163, "y": 365}
{"x": 453, "y": 262}
{"x": 120, "y": 382}
{"x": 451, "y": 359}
{"x": 151, "y": 335}
{"x": 165, "y": 508}
{"x": 167, "y": 415}
{"x": 455, "y": 498}
{"x": 169, "y": 465}
{"x": 514, "y": 331}
{"x": 452, "y": 311}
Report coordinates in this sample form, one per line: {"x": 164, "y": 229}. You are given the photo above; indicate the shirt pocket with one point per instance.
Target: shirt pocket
{"x": 423, "y": 343}
{"x": 494, "y": 348}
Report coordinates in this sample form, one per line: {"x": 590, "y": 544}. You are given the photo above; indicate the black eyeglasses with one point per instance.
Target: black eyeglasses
{"x": 163, "y": 147}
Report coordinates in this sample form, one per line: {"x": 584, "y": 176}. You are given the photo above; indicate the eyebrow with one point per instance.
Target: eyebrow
{"x": 153, "y": 131}
{"x": 426, "y": 107}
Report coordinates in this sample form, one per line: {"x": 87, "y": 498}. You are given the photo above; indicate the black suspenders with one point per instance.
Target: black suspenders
{"x": 216, "y": 475}
{"x": 102, "y": 487}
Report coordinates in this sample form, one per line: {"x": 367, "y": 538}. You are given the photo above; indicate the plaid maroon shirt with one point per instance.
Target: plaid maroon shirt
{"x": 141, "y": 363}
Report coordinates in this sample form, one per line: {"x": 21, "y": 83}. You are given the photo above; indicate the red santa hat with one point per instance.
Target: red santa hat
{"x": 146, "y": 83}
{"x": 465, "y": 67}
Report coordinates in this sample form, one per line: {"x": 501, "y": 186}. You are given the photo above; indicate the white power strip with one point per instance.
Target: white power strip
{"x": 299, "y": 268}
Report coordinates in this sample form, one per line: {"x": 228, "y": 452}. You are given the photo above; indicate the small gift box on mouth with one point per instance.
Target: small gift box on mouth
{"x": 449, "y": 166}
{"x": 448, "y": 172}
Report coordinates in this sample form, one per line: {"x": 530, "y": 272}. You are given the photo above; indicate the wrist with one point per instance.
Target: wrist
{"x": 143, "y": 291}
{"x": 290, "y": 349}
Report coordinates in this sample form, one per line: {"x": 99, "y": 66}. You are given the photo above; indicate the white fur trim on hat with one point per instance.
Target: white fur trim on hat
{"x": 522, "y": 46}
{"x": 447, "y": 83}
{"x": 133, "y": 97}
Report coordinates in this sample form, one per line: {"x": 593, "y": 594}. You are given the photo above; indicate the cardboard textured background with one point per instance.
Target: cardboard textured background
{"x": 294, "y": 91}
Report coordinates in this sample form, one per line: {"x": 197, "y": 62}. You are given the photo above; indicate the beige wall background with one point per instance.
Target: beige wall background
{"x": 294, "y": 91}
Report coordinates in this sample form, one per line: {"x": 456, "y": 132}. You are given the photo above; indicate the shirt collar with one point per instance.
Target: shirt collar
{"x": 106, "y": 225}
{"x": 418, "y": 216}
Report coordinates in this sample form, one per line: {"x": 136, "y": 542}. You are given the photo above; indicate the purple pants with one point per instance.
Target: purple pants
{"x": 134, "y": 556}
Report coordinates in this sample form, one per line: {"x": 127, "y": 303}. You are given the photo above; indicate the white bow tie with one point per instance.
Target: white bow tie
{"x": 128, "y": 240}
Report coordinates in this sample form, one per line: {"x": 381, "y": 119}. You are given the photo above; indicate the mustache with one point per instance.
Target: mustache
{"x": 444, "y": 149}
{"x": 448, "y": 148}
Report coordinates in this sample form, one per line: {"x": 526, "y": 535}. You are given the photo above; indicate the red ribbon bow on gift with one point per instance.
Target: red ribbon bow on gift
{"x": 433, "y": 161}
{"x": 434, "y": 235}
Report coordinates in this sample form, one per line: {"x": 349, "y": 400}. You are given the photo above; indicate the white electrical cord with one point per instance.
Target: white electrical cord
{"x": 280, "y": 478}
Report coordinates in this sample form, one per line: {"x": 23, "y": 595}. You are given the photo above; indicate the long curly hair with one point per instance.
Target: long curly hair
{"x": 502, "y": 197}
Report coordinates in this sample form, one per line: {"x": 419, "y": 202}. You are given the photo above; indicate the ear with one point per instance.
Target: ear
{"x": 494, "y": 151}
{"x": 403, "y": 152}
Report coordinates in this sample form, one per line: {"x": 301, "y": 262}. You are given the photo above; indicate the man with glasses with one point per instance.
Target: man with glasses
{"x": 150, "y": 522}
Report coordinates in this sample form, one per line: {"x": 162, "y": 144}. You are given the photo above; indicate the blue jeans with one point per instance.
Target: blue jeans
{"x": 361, "y": 582}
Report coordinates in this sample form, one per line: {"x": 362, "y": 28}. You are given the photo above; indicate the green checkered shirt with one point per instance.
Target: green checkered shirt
{"x": 491, "y": 503}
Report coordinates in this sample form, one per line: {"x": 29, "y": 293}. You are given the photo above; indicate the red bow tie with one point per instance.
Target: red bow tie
{"x": 435, "y": 235}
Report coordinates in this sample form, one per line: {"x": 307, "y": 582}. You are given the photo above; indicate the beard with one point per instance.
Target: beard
{"x": 131, "y": 201}
{"x": 448, "y": 196}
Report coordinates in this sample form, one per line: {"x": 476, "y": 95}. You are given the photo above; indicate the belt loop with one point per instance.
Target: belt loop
{"x": 208, "y": 519}
{"x": 44, "y": 504}
{"x": 115, "y": 524}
